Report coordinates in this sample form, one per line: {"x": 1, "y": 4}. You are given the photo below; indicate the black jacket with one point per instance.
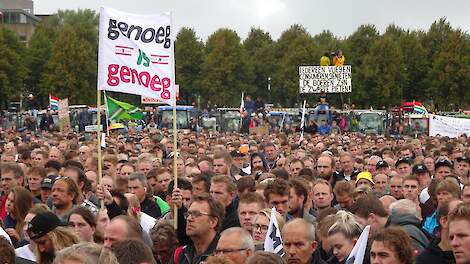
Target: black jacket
{"x": 434, "y": 254}
{"x": 149, "y": 207}
{"x": 188, "y": 255}
{"x": 412, "y": 226}
{"x": 231, "y": 215}
{"x": 320, "y": 256}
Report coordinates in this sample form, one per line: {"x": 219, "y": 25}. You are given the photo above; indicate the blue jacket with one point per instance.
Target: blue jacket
{"x": 324, "y": 129}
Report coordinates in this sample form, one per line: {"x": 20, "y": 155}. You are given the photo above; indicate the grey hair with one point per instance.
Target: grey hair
{"x": 138, "y": 176}
{"x": 86, "y": 253}
{"x": 309, "y": 228}
{"x": 246, "y": 240}
{"x": 405, "y": 206}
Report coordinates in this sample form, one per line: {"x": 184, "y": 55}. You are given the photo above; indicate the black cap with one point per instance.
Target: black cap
{"x": 420, "y": 168}
{"x": 381, "y": 164}
{"x": 48, "y": 181}
{"x": 42, "y": 224}
{"x": 235, "y": 153}
{"x": 403, "y": 160}
{"x": 464, "y": 159}
{"x": 443, "y": 162}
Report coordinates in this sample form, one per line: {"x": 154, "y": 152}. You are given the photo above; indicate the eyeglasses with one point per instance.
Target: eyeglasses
{"x": 260, "y": 227}
{"x": 466, "y": 159}
{"x": 227, "y": 251}
{"x": 195, "y": 214}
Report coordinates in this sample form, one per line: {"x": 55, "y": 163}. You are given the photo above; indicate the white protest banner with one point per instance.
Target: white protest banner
{"x": 150, "y": 100}
{"x": 325, "y": 79}
{"x": 448, "y": 126}
{"x": 136, "y": 54}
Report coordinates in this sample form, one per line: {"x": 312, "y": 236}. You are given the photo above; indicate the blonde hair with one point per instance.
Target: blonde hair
{"x": 86, "y": 253}
{"x": 346, "y": 223}
{"x": 61, "y": 237}
{"x": 267, "y": 212}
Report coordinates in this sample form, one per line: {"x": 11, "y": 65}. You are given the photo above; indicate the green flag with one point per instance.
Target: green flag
{"x": 122, "y": 111}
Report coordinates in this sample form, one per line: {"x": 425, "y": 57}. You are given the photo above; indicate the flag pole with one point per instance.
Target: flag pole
{"x": 302, "y": 124}
{"x": 175, "y": 157}
{"x": 100, "y": 171}
{"x": 107, "y": 113}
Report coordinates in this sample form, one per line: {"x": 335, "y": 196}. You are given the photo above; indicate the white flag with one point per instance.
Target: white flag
{"x": 273, "y": 240}
{"x": 359, "y": 250}
{"x": 242, "y": 105}
{"x": 302, "y": 124}
{"x": 136, "y": 54}
{"x": 103, "y": 140}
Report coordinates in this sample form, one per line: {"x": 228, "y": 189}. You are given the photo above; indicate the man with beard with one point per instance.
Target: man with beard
{"x": 326, "y": 169}
{"x": 299, "y": 242}
{"x": 298, "y": 195}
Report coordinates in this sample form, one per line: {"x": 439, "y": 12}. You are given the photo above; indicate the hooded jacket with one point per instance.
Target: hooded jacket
{"x": 434, "y": 254}
{"x": 411, "y": 224}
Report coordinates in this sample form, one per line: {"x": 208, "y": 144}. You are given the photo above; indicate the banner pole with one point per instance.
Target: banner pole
{"x": 107, "y": 113}
{"x": 175, "y": 171}
{"x": 100, "y": 171}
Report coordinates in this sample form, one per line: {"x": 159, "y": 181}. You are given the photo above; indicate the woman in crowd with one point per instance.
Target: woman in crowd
{"x": 83, "y": 222}
{"x": 258, "y": 164}
{"x": 27, "y": 251}
{"x": 260, "y": 227}
{"x": 342, "y": 235}
{"x": 18, "y": 203}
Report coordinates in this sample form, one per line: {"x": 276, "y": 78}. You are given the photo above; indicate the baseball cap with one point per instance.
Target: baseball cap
{"x": 420, "y": 168}
{"x": 235, "y": 153}
{"x": 443, "y": 162}
{"x": 48, "y": 181}
{"x": 244, "y": 149}
{"x": 465, "y": 159}
{"x": 42, "y": 224}
{"x": 381, "y": 164}
{"x": 403, "y": 160}
{"x": 365, "y": 175}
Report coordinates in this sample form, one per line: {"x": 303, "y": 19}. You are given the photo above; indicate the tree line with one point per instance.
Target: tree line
{"x": 431, "y": 66}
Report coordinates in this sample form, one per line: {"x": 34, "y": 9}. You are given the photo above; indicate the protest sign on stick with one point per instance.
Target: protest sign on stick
{"x": 136, "y": 56}
{"x": 325, "y": 79}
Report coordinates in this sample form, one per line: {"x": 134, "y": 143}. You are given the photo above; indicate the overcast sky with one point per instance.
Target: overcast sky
{"x": 342, "y": 17}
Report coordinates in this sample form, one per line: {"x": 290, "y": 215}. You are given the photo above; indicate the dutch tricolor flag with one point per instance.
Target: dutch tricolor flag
{"x": 53, "y": 102}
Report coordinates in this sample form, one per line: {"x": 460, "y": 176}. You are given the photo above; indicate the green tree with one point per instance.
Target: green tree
{"x": 225, "y": 71}
{"x": 259, "y": 48}
{"x": 383, "y": 70}
{"x": 12, "y": 69}
{"x": 39, "y": 52}
{"x": 294, "y": 48}
{"x": 189, "y": 56}
{"x": 72, "y": 70}
{"x": 356, "y": 47}
{"x": 449, "y": 76}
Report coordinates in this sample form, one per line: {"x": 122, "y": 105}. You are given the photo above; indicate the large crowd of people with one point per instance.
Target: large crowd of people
{"x": 413, "y": 193}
